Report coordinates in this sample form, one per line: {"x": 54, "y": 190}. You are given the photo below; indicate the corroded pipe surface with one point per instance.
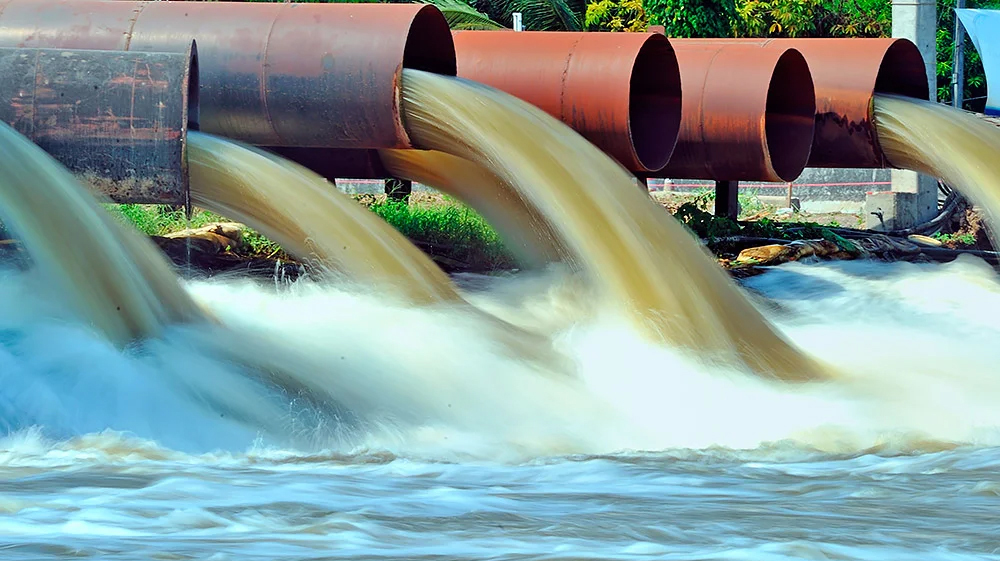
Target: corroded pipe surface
{"x": 621, "y": 91}
{"x": 847, "y": 73}
{"x": 748, "y": 113}
{"x": 324, "y": 75}
{"x": 118, "y": 120}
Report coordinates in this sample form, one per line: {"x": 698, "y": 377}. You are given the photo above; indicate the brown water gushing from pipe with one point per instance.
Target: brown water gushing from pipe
{"x": 621, "y": 91}
{"x": 526, "y": 234}
{"x": 637, "y": 253}
{"x": 310, "y": 218}
{"x": 118, "y": 281}
{"x": 942, "y": 141}
{"x": 846, "y": 74}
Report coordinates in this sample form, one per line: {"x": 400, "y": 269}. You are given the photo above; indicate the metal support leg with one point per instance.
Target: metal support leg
{"x": 727, "y": 202}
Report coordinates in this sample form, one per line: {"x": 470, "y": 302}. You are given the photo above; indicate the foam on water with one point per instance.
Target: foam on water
{"x": 448, "y": 450}
{"x": 427, "y": 383}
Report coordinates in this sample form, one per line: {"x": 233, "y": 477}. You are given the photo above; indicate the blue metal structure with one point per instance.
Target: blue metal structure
{"x": 983, "y": 27}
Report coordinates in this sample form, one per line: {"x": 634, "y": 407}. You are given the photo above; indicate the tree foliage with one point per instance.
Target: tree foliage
{"x": 616, "y": 15}
{"x": 693, "y": 18}
{"x": 814, "y": 18}
{"x": 460, "y": 15}
{"x": 975, "y": 77}
{"x": 536, "y": 15}
{"x": 776, "y": 18}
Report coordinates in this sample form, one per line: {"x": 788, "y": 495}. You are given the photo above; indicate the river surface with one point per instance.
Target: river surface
{"x": 88, "y": 502}
{"x": 103, "y": 460}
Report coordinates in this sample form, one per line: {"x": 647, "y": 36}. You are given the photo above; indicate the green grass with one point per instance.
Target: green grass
{"x": 159, "y": 220}
{"x": 449, "y": 230}
{"x": 459, "y": 239}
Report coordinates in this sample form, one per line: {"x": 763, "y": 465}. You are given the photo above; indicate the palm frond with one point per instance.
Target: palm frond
{"x": 462, "y": 16}
{"x": 548, "y": 15}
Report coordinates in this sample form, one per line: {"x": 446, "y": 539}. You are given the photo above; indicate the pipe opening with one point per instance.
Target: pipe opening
{"x": 902, "y": 71}
{"x": 429, "y": 45}
{"x": 654, "y": 118}
{"x": 194, "y": 85}
{"x": 789, "y": 119}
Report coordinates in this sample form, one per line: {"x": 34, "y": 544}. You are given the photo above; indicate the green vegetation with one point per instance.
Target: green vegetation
{"x": 975, "y": 77}
{"x": 452, "y": 233}
{"x": 160, "y": 220}
{"x": 965, "y": 238}
{"x": 693, "y": 18}
{"x": 615, "y": 15}
{"x": 459, "y": 239}
{"x": 702, "y": 223}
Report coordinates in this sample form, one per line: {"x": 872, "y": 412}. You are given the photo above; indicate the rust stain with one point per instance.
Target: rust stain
{"x": 847, "y": 73}
{"x": 293, "y": 74}
{"x": 114, "y": 115}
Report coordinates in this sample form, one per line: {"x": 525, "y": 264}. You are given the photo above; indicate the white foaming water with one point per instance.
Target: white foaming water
{"x": 425, "y": 383}
{"x": 441, "y": 445}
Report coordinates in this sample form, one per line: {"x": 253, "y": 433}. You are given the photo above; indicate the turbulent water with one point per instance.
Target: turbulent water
{"x": 641, "y": 259}
{"x": 115, "y": 279}
{"x": 310, "y": 218}
{"x": 452, "y": 451}
{"x": 943, "y": 142}
{"x": 526, "y": 419}
{"x": 525, "y": 233}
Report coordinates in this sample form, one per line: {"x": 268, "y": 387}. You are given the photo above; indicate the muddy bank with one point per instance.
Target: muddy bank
{"x": 217, "y": 249}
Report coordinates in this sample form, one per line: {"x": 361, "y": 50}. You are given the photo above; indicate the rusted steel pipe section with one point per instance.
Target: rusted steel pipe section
{"x": 273, "y": 74}
{"x": 747, "y": 113}
{"x": 847, "y": 73}
{"x": 118, "y": 120}
{"x": 621, "y": 91}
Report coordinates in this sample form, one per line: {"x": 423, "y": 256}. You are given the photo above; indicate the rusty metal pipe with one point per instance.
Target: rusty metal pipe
{"x": 621, "y": 91}
{"x": 118, "y": 120}
{"x": 747, "y": 113}
{"x": 847, "y": 73}
{"x": 321, "y": 75}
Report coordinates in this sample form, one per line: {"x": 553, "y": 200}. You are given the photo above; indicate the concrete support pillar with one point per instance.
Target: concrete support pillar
{"x": 913, "y": 198}
{"x": 916, "y": 20}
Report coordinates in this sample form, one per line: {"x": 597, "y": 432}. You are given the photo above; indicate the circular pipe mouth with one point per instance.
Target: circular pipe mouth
{"x": 790, "y": 116}
{"x": 654, "y": 104}
{"x": 429, "y": 44}
{"x": 902, "y": 71}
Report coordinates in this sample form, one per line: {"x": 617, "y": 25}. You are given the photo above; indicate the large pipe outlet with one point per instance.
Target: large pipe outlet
{"x": 118, "y": 120}
{"x": 747, "y": 113}
{"x": 847, "y": 74}
{"x": 321, "y": 75}
{"x": 621, "y": 91}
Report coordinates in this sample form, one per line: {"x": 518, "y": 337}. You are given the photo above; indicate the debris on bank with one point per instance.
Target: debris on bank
{"x": 221, "y": 247}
